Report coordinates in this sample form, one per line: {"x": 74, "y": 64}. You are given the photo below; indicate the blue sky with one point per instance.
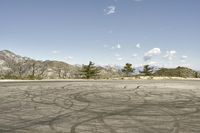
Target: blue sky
{"x": 159, "y": 32}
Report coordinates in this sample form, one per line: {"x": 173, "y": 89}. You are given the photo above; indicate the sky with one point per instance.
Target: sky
{"x": 165, "y": 33}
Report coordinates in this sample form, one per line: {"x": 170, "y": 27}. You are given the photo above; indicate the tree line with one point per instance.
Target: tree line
{"x": 91, "y": 71}
{"x": 39, "y": 70}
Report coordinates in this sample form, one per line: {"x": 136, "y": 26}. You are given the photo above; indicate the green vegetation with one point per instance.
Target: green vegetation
{"x": 197, "y": 75}
{"x": 147, "y": 70}
{"x": 128, "y": 69}
{"x": 10, "y": 76}
{"x": 13, "y": 66}
{"x": 31, "y": 77}
{"x": 89, "y": 71}
{"x": 177, "y": 72}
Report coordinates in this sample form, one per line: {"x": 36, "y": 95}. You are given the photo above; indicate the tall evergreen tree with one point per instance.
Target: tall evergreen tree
{"x": 196, "y": 75}
{"x": 128, "y": 69}
{"x": 147, "y": 70}
{"x": 89, "y": 71}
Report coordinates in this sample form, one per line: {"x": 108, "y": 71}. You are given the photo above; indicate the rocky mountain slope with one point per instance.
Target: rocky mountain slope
{"x": 17, "y": 67}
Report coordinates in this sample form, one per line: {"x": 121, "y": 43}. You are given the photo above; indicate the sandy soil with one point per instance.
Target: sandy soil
{"x": 143, "y": 106}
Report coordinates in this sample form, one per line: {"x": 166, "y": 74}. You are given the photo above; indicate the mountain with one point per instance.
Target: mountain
{"x": 14, "y": 66}
{"x": 110, "y": 71}
{"x": 9, "y": 61}
{"x": 10, "y": 56}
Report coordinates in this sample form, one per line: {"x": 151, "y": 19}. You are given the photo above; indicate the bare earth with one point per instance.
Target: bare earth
{"x": 147, "y": 106}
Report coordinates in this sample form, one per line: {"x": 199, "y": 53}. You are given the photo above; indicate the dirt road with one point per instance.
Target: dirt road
{"x": 100, "y": 107}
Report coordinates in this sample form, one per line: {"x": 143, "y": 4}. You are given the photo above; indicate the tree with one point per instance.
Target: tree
{"x": 33, "y": 69}
{"x": 89, "y": 71}
{"x": 147, "y": 70}
{"x": 179, "y": 71}
{"x": 196, "y": 75}
{"x": 36, "y": 69}
{"x": 59, "y": 71}
{"x": 128, "y": 69}
{"x": 20, "y": 69}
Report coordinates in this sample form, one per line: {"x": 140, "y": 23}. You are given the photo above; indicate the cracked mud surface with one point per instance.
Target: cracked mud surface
{"x": 100, "y": 107}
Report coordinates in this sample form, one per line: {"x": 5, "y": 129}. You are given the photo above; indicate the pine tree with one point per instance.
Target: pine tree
{"x": 128, "y": 69}
{"x": 89, "y": 71}
{"x": 196, "y": 75}
{"x": 147, "y": 70}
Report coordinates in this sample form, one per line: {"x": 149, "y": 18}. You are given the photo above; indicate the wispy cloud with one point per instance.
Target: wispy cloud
{"x": 118, "y": 56}
{"x": 138, "y": 45}
{"x": 119, "y": 59}
{"x": 134, "y": 55}
{"x": 153, "y": 52}
{"x": 153, "y": 63}
{"x": 184, "y": 58}
{"x": 118, "y": 46}
{"x": 110, "y": 10}
{"x": 170, "y": 55}
{"x": 55, "y": 52}
{"x": 68, "y": 58}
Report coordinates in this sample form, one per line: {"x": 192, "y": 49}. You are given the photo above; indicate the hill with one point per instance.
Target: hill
{"x": 177, "y": 72}
{"x": 14, "y": 66}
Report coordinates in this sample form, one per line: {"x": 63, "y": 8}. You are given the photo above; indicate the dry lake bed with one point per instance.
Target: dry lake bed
{"x": 146, "y": 106}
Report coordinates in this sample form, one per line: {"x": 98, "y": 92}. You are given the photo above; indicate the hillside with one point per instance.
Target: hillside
{"x": 177, "y": 72}
{"x": 14, "y": 66}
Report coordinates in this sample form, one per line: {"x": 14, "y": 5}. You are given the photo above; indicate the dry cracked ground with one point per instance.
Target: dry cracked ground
{"x": 100, "y": 107}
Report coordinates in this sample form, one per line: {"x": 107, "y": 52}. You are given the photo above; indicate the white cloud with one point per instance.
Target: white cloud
{"x": 153, "y": 52}
{"x": 113, "y": 47}
{"x": 183, "y": 58}
{"x": 110, "y": 10}
{"x": 119, "y": 59}
{"x": 153, "y": 63}
{"x": 170, "y": 55}
{"x": 68, "y": 58}
{"x": 138, "y": 45}
{"x": 134, "y": 55}
{"x": 55, "y": 52}
{"x": 118, "y": 46}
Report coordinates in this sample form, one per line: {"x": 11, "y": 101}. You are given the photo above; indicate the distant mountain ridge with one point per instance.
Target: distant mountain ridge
{"x": 16, "y": 66}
